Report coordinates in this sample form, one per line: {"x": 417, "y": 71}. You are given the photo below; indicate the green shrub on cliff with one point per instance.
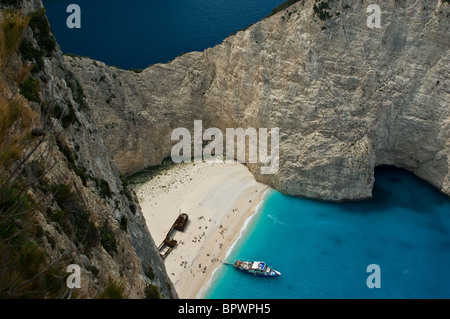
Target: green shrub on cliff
{"x": 321, "y": 10}
{"x": 30, "y": 90}
{"x": 112, "y": 290}
{"x": 152, "y": 292}
{"x": 283, "y": 6}
{"x": 107, "y": 238}
{"x": 42, "y": 31}
{"x": 14, "y": 3}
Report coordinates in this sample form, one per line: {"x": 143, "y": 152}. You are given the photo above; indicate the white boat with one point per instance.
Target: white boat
{"x": 256, "y": 268}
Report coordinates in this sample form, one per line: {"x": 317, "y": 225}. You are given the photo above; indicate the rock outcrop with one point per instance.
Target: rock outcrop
{"x": 345, "y": 97}
{"x": 84, "y": 212}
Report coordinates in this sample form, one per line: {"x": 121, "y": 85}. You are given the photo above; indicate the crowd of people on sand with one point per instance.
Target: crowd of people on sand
{"x": 222, "y": 231}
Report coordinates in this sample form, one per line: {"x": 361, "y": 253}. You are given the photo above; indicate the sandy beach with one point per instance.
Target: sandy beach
{"x": 218, "y": 198}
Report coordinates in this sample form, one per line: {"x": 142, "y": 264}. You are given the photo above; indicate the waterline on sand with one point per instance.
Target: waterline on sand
{"x": 204, "y": 290}
{"x": 218, "y": 198}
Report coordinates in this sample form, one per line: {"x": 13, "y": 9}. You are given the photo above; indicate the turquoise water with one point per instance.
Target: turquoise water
{"x": 323, "y": 249}
{"x": 137, "y": 33}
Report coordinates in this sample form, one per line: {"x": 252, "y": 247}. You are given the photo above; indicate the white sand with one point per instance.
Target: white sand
{"x": 218, "y": 199}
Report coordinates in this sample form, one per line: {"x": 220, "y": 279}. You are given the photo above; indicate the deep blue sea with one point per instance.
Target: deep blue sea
{"x": 137, "y": 33}
{"x": 323, "y": 249}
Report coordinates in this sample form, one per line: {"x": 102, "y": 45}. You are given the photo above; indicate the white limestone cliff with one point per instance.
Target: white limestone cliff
{"x": 345, "y": 97}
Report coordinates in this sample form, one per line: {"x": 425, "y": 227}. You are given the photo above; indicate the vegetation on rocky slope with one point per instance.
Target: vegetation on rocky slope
{"x": 25, "y": 270}
{"x": 49, "y": 201}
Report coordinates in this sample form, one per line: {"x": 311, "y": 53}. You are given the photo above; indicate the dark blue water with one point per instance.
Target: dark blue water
{"x": 137, "y": 33}
{"x": 323, "y": 249}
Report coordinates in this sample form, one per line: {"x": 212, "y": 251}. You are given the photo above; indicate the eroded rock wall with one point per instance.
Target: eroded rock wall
{"x": 345, "y": 97}
{"x": 84, "y": 211}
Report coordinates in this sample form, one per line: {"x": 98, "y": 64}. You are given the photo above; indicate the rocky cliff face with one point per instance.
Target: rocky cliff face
{"x": 345, "y": 97}
{"x": 84, "y": 210}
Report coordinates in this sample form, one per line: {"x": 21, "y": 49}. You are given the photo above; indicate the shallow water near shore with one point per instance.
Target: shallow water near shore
{"x": 323, "y": 249}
